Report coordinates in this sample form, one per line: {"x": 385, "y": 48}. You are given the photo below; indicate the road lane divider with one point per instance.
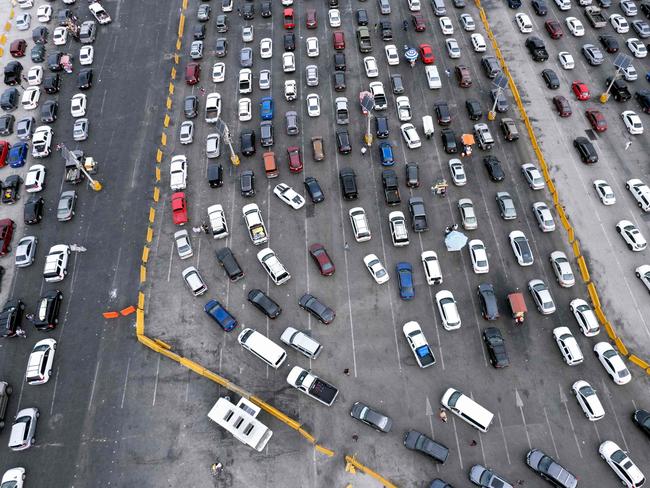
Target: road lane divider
{"x": 352, "y": 464}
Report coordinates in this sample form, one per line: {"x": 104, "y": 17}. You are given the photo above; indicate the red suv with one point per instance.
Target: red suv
{"x": 289, "y": 22}
{"x": 17, "y": 48}
{"x": 312, "y": 22}
{"x": 339, "y": 40}
{"x": 192, "y": 73}
{"x": 4, "y": 150}
{"x": 295, "y": 161}
{"x": 554, "y": 29}
{"x": 418, "y": 22}
{"x": 7, "y": 227}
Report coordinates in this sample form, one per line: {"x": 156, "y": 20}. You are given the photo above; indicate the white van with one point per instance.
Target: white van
{"x": 568, "y": 345}
{"x": 467, "y": 409}
{"x": 359, "y": 223}
{"x": 433, "y": 77}
{"x": 427, "y": 126}
{"x": 301, "y": 342}
{"x": 263, "y": 347}
{"x": 414, "y": 5}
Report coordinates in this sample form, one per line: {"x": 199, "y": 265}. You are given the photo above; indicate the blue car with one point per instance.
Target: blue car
{"x": 220, "y": 315}
{"x": 17, "y": 156}
{"x": 266, "y": 108}
{"x": 386, "y": 154}
{"x": 405, "y": 281}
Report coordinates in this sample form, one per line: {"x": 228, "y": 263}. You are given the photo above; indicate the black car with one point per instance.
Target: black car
{"x": 396, "y": 83}
{"x": 13, "y": 72}
{"x": 264, "y": 303}
{"x": 488, "y": 300}
{"x": 47, "y": 310}
{"x": 248, "y": 11}
{"x": 449, "y": 141}
{"x": 9, "y": 99}
{"x": 362, "y": 17}
{"x": 539, "y": 6}
{"x": 551, "y": 79}
{"x": 33, "y": 212}
{"x": 54, "y": 62}
{"x": 7, "y": 124}
{"x": 85, "y": 78}
{"x": 609, "y": 42}
{"x": 514, "y": 4}
{"x": 317, "y": 308}
{"x": 348, "y": 179}
{"x": 339, "y": 61}
{"x": 247, "y": 139}
{"x": 40, "y": 35}
{"x": 381, "y": 127}
{"x": 619, "y": 90}
{"x": 438, "y": 483}
{"x": 49, "y": 111}
{"x": 586, "y": 150}
{"x": 343, "y": 141}
{"x": 37, "y": 53}
{"x": 215, "y": 175}
{"x": 386, "y": 30}
{"x": 442, "y": 113}
{"x": 494, "y": 169}
{"x": 496, "y": 346}
{"x": 474, "y": 109}
{"x": 417, "y": 441}
{"x": 643, "y": 97}
{"x": 11, "y": 189}
{"x": 227, "y": 259}
{"x": 266, "y": 133}
{"x": 314, "y": 190}
{"x": 501, "y": 100}
{"x": 373, "y": 418}
{"x": 550, "y": 470}
{"x": 11, "y": 317}
{"x": 221, "y": 47}
{"x": 247, "y": 183}
{"x": 412, "y": 175}
{"x": 52, "y": 84}
{"x": 642, "y": 419}
{"x": 289, "y": 41}
{"x": 266, "y": 9}
{"x": 198, "y": 32}
{"x": 339, "y": 81}
{"x": 191, "y": 106}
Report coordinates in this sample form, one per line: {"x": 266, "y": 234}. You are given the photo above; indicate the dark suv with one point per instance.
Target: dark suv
{"x": 349, "y": 183}
{"x": 191, "y": 106}
{"x": 619, "y": 90}
{"x": 47, "y": 310}
{"x": 11, "y": 317}
{"x": 227, "y": 259}
{"x": 586, "y": 150}
{"x": 381, "y": 127}
{"x": 247, "y": 138}
{"x": 488, "y": 299}
{"x": 339, "y": 61}
{"x": 537, "y": 49}
{"x": 247, "y": 183}
{"x": 13, "y": 71}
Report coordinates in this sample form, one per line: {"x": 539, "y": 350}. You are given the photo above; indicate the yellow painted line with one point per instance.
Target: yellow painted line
{"x": 171, "y": 88}
{"x": 168, "y": 105}
{"x": 177, "y": 58}
{"x": 159, "y": 155}
{"x": 173, "y": 72}
{"x": 152, "y": 215}
{"x": 145, "y": 254}
{"x": 178, "y": 44}
{"x": 157, "y": 173}
{"x": 166, "y": 120}
{"x": 143, "y": 273}
{"x": 141, "y": 300}
{"x": 163, "y": 139}
{"x": 8, "y": 26}
{"x": 3, "y": 38}
{"x": 149, "y": 235}
{"x": 600, "y": 315}
{"x": 163, "y": 344}
{"x": 2, "y": 51}
{"x": 156, "y": 194}
{"x": 181, "y": 25}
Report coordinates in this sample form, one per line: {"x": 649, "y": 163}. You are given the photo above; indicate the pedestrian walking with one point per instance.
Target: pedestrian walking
{"x": 204, "y": 226}
{"x": 355, "y": 437}
{"x": 21, "y": 333}
{"x": 443, "y": 415}
{"x": 473, "y": 443}
{"x": 346, "y": 246}
{"x": 520, "y": 482}
{"x": 346, "y": 371}
{"x": 448, "y": 72}
{"x": 202, "y": 90}
{"x": 627, "y": 145}
{"x": 30, "y": 317}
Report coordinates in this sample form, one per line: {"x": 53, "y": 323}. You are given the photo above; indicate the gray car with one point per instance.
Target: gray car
{"x": 311, "y": 72}
{"x": 65, "y": 209}
{"x": 292, "y": 122}
{"x": 506, "y": 204}
{"x": 482, "y": 476}
{"x": 196, "y": 50}
{"x": 80, "y": 129}
{"x": 550, "y": 470}
{"x": 593, "y": 54}
{"x": 25, "y": 128}
{"x": 26, "y": 251}
{"x": 502, "y": 102}
{"x": 368, "y": 416}
{"x": 221, "y": 47}
{"x": 246, "y": 57}
{"x": 642, "y": 28}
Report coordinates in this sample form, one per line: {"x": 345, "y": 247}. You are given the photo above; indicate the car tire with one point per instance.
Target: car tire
{"x": 629, "y": 246}
{"x": 638, "y": 275}
{"x": 9, "y": 390}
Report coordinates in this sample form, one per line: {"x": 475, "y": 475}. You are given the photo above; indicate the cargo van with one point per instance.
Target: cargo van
{"x": 438, "y": 7}
{"x": 262, "y": 347}
{"x": 270, "y": 167}
{"x": 427, "y": 126}
{"x": 467, "y": 409}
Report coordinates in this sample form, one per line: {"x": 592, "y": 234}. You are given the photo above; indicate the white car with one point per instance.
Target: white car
{"x": 35, "y": 178}
{"x": 433, "y": 77}
{"x": 26, "y": 252}
{"x": 533, "y": 176}
{"x": 39, "y": 364}
{"x": 628, "y": 7}
{"x": 78, "y": 105}
{"x": 604, "y": 192}
{"x": 266, "y": 48}
{"x": 376, "y": 269}
{"x": 23, "y": 429}
{"x": 289, "y": 196}
{"x": 588, "y": 400}
{"x": 478, "y": 254}
{"x": 287, "y": 3}
{"x": 562, "y": 269}
{"x": 218, "y": 72}
{"x": 226, "y": 5}
{"x": 334, "y": 17}
{"x": 478, "y": 42}
{"x": 467, "y": 22}
{"x": 194, "y": 281}
{"x": 288, "y": 62}
{"x": 23, "y": 21}
{"x": 585, "y": 317}
{"x": 245, "y": 109}
{"x": 643, "y": 273}
{"x": 265, "y": 79}
{"x": 370, "y": 64}
{"x": 612, "y": 362}
{"x": 563, "y": 4}
{"x": 213, "y": 145}
{"x": 630, "y": 73}
{"x": 183, "y": 244}
{"x": 410, "y": 136}
{"x": 35, "y": 76}
{"x": 566, "y": 60}
{"x": 178, "y": 173}
{"x": 521, "y": 248}
{"x": 453, "y": 49}
{"x": 543, "y": 216}
{"x": 575, "y": 26}
{"x": 313, "y": 105}
{"x": 448, "y": 310}
{"x": 186, "y": 132}
{"x": 619, "y": 23}
{"x": 566, "y": 341}
{"x": 631, "y": 235}
{"x": 640, "y": 192}
{"x": 86, "y": 55}
{"x": 44, "y": 13}
{"x": 418, "y": 344}
{"x": 431, "y": 266}
{"x": 629, "y": 473}
{"x": 632, "y": 122}
{"x": 13, "y": 478}
{"x": 312, "y": 47}
{"x": 446, "y": 26}
{"x": 403, "y": 106}
{"x": 524, "y": 23}
{"x": 457, "y": 169}
{"x": 290, "y": 90}
{"x": 391, "y": 54}
{"x": 637, "y": 48}
{"x": 60, "y": 36}
{"x": 541, "y": 296}
{"x": 247, "y": 33}
{"x": 467, "y": 214}
{"x": 30, "y": 98}
{"x": 42, "y": 141}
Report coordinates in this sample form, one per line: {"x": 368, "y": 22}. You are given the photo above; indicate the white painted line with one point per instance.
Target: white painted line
{"x": 575, "y": 436}
{"x": 550, "y": 431}
{"x": 611, "y": 408}
{"x": 505, "y": 442}
{"x": 56, "y": 382}
{"x": 126, "y": 379}
{"x": 171, "y": 258}
{"x": 520, "y": 406}
{"x": 92, "y": 390}
{"x": 460, "y": 455}
{"x": 155, "y": 386}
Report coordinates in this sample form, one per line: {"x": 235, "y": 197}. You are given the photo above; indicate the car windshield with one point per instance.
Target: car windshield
{"x": 618, "y": 456}
{"x": 587, "y": 391}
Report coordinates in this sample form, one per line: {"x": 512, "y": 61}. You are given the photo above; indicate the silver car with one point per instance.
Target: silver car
{"x": 25, "y": 128}
{"x": 65, "y": 208}
{"x": 187, "y": 132}
{"x": 26, "y": 251}
{"x": 506, "y": 206}
{"x": 246, "y": 57}
{"x": 486, "y": 478}
{"x": 80, "y": 129}
{"x": 196, "y": 50}
{"x": 311, "y": 72}
{"x": 593, "y": 54}
{"x": 542, "y": 297}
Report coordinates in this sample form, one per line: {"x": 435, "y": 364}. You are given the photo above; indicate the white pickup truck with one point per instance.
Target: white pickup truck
{"x": 255, "y": 224}
{"x": 398, "y": 232}
{"x": 218, "y": 223}
{"x": 99, "y": 13}
{"x": 313, "y": 386}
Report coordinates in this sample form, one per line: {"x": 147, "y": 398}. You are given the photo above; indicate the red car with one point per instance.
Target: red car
{"x": 289, "y": 22}
{"x": 192, "y": 73}
{"x": 554, "y": 29}
{"x": 179, "y": 208}
{"x": 17, "y": 48}
{"x": 426, "y": 53}
{"x": 295, "y": 161}
{"x": 580, "y": 90}
{"x": 322, "y": 259}
{"x": 312, "y": 22}
{"x": 7, "y": 227}
{"x": 338, "y": 38}
{"x": 562, "y": 106}
{"x": 596, "y": 119}
{"x": 4, "y": 150}
{"x": 418, "y": 22}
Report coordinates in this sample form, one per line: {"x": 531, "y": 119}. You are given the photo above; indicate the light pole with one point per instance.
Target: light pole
{"x": 621, "y": 62}
{"x": 367, "y": 104}
{"x": 225, "y": 133}
{"x": 500, "y": 82}
{"x": 72, "y": 158}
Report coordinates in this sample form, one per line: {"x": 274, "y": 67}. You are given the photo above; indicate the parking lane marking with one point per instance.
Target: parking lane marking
{"x": 460, "y": 455}
{"x": 520, "y": 405}
{"x": 563, "y": 400}
{"x": 503, "y": 435}
{"x": 155, "y": 385}
{"x": 126, "y": 379}
{"x": 611, "y": 406}
{"x": 92, "y": 390}
{"x": 56, "y": 382}
{"x": 550, "y": 431}
{"x": 171, "y": 257}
